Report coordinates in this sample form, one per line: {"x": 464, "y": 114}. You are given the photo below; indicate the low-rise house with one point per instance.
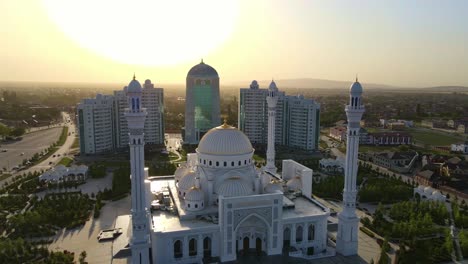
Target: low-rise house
{"x": 429, "y": 193}
{"x": 389, "y": 138}
{"x": 401, "y": 162}
{"x": 460, "y": 147}
{"x": 332, "y": 166}
{"x": 61, "y": 173}
{"x": 338, "y": 133}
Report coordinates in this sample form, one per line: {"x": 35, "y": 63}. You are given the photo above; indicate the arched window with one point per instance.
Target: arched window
{"x": 192, "y": 247}
{"x": 188, "y": 204}
{"x": 311, "y": 233}
{"x": 217, "y": 164}
{"x": 210, "y": 163}
{"x": 225, "y": 164}
{"x": 240, "y": 163}
{"x": 207, "y": 247}
{"x": 178, "y": 249}
{"x": 245, "y": 162}
{"x": 232, "y": 164}
{"x": 133, "y": 103}
{"x": 138, "y": 103}
{"x": 299, "y": 234}
{"x": 196, "y": 205}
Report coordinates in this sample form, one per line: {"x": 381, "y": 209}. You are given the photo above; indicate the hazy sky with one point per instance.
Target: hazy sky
{"x": 398, "y": 42}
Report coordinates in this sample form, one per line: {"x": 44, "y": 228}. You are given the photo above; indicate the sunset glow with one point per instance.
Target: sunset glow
{"x": 146, "y": 32}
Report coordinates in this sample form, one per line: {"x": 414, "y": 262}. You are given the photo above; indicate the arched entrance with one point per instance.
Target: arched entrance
{"x": 252, "y": 236}
{"x": 258, "y": 246}
{"x": 286, "y": 239}
{"x": 207, "y": 247}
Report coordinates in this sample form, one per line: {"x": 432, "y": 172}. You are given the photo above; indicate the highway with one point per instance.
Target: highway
{"x": 32, "y": 143}
{"x": 47, "y": 163}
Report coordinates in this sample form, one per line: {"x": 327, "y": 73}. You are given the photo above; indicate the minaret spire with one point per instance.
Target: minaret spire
{"x": 348, "y": 221}
{"x": 272, "y": 100}
{"x": 141, "y": 220}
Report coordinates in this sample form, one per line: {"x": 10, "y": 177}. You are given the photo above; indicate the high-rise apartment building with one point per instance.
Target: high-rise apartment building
{"x": 116, "y": 124}
{"x": 95, "y": 124}
{"x": 202, "y": 104}
{"x": 297, "y": 119}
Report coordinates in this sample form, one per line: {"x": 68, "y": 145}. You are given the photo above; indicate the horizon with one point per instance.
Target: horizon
{"x": 401, "y": 44}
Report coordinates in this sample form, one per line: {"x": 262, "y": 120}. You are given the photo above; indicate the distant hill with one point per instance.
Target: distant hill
{"x": 313, "y": 83}
{"x": 447, "y": 89}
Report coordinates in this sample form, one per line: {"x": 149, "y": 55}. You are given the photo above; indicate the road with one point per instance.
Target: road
{"x": 30, "y": 144}
{"x": 51, "y": 161}
{"x": 173, "y": 144}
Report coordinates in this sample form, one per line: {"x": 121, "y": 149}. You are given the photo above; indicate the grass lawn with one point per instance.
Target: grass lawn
{"x": 258, "y": 158}
{"x": 63, "y": 136}
{"x": 76, "y": 143}
{"x": 65, "y": 161}
{"x": 433, "y": 138}
{"x": 4, "y": 176}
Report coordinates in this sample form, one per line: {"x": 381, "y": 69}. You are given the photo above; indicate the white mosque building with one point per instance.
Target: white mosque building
{"x": 218, "y": 204}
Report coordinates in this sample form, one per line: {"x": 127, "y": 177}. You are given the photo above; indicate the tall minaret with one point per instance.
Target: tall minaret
{"x": 135, "y": 114}
{"x": 272, "y": 100}
{"x": 348, "y": 221}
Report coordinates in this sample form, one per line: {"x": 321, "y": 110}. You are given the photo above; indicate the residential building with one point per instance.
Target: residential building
{"x": 102, "y": 124}
{"x": 460, "y": 147}
{"x": 297, "y": 119}
{"x": 95, "y": 124}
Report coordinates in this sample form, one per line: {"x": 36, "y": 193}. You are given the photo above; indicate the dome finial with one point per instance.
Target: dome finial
{"x": 133, "y": 75}
{"x": 357, "y": 77}
{"x": 202, "y": 61}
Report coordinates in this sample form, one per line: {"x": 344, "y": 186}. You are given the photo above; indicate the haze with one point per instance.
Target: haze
{"x": 398, "y": 43}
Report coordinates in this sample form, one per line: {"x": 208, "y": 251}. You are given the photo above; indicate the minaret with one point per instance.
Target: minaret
{"x": 348, "y": 221}
{"x": 272, "y": 100}
{"x": 135, "y": 114}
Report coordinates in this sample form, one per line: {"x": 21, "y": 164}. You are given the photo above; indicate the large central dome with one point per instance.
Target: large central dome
{"x": 202, "y": 70}
{"x": 225, "y": 140}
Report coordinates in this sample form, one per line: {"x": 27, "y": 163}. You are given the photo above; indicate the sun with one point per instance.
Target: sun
{"x": 146, "y": 32}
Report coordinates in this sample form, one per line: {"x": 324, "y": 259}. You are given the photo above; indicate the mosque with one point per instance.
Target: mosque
{"x": 220, "y": 205}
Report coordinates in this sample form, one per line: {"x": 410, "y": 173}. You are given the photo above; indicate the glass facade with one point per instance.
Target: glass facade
{"x": 203, "y": 94}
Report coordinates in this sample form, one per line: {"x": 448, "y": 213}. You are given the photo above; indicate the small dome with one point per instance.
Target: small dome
{"x": 202, "y": 70}
{"x": 187, "y": 181}
{"x": 134, "y": 86}
{"x": 180, "y": 172}
{"x": 294, "y": 184}
{"x": 428, "y": 190}
{"x": 355, "y": 88}
{"x": 147, "y": 81}
{"x": 273, "y": 187}
{"x": 234, "y": 187}
{"x": 254, "y": 85}
{"x": 225, "y": 140}
{"x": 194, "y": 194}
{"x": 273, "y": 86}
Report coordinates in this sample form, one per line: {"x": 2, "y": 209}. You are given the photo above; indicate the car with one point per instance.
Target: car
{"x": 4, "y": 150}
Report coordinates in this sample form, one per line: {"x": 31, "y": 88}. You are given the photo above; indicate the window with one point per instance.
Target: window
{"x": 299, "y": 234}
{"x": 192, "y": 247}
{"x": 196, "y": 205}
{"x": 232, "y": 163}
{"x": 311, "y": 233}
{"x": 178, "y": 249}
{"x": 225, "y": 164}
{"x": 217, "y": 164}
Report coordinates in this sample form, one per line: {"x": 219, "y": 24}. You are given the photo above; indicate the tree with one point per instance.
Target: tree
{"x": 82, "y": 258}
{"x": 19, "y": 131}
